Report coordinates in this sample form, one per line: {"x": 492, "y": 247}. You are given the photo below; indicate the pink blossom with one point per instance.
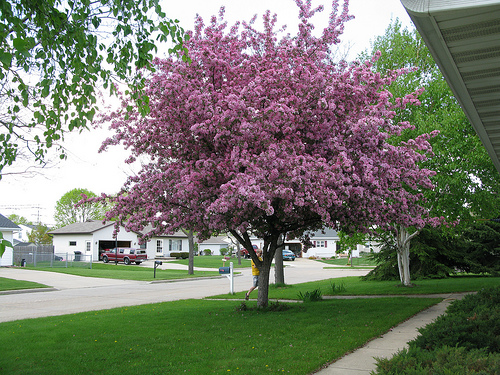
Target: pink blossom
{"x": 265, "y": 135}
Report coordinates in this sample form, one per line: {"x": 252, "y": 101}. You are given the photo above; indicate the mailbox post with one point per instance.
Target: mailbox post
{"x": 228, "y": 271}
{"x": 157, "y": 263}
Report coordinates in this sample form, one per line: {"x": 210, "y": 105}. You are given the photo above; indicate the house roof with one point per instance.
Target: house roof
{"x": 82, "y": 228}
{"x": 7, "y": 224}
{"x": 327, "y": 232}
{"x": 219, "y": 240}
{"x": 179, "y": 233}
{"x": 463, "y": 36}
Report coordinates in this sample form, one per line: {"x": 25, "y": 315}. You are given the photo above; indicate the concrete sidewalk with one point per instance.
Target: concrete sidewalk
{"x": 362, "y": 361}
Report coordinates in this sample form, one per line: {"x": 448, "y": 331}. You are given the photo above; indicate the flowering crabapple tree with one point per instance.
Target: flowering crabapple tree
{"x": 264, "y": 135}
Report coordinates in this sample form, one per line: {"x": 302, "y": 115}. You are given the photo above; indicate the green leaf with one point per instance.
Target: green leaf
{"x": 6, "y": 59}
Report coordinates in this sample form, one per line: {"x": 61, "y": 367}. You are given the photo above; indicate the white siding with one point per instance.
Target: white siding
{"x": 8, "y": 256}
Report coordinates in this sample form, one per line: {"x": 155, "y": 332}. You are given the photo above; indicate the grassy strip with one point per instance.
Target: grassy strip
{"x": 131, "y": 272}
{"x": 10, "y": 284}
{"x": 199, "y": 337}
{"x": 353, "y": 285}
{"x": 213, "y": 262}
{"x": 356, "y": 262}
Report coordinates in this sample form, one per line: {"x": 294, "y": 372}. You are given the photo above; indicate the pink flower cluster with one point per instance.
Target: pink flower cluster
{"x": 267, "y": 135}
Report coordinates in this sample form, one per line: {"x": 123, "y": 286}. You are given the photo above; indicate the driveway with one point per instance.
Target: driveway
{"x": 75, "y": 294}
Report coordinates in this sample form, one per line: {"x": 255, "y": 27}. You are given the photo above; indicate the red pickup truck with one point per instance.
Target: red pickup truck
{"x": 125, "y": 255}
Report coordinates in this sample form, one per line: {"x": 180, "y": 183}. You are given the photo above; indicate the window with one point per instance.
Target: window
{"x": 121, "y": 251}
{"x": 175, "y": 245}
{"x": 159, "y": 246}
{"x": 72, "y": 243}
{"x": 132, "y": 251}
{"x": 88, "y": 246}
{"x": 319, "y": 243}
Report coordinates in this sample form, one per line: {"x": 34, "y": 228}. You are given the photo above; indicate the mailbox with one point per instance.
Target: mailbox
{"x": 224, "y": 270}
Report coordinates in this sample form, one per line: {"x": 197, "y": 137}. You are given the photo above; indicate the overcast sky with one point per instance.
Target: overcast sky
{"x": 35, "y": 197}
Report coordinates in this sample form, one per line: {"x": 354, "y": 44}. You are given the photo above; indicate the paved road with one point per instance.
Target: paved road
{"x": 74, "y": 294}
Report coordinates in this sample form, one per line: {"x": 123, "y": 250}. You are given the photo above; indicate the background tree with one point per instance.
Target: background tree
{"x": 349, "y": 242}
{"x": 466, "y": 183}
{"x": 266, "y": 136}
{"x": 19, "y": 219}
{"x": 39, "y": 235}
{"x": 68, "y": 211}
{"x": 440, "y": 252}
{"x": 55, "y": 54}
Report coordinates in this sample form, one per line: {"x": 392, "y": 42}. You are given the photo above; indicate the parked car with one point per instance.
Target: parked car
{"x": 244, "y": 252}
{"x": 288, "y": 255}
{"x": 125, "y": 255}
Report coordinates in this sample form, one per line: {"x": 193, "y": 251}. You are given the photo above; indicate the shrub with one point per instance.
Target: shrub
{"x": 313, "y": 296}
{"x": 273, "y": 306}
{"x": 465, "y": 341}
{"x": 445, "y": 360}
{"x": 439, "y": 253}
{"x": 472, "y": 323}
{"x": 182, "y": 255}
{"x": 337, "y": 288}
{"x": 224, "y": 251}
{"x": 207, "y": 252}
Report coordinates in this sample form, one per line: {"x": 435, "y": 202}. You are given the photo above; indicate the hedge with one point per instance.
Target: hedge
{"x": 464, "y": 341}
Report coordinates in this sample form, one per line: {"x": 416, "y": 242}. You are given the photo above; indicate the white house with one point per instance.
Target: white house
{"x": 92, "y": 237}
{"x": 162, "y": 246}
{"x": 7, "y": 228}
{"x": 214, "y": 244}
{"x": 324, "y": 244}
{"x": 22, "y": 234}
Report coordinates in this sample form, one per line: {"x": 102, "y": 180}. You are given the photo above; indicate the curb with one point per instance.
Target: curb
{"x": 22, "y": 291}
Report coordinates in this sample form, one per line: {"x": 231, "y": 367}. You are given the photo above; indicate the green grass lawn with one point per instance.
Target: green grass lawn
{"x": 131, "y": 272}
{"x": 199, "y": 337}
{"x": 353, "y": 285}
{"x": 10, "y": 284}
{"x": 363, "y": 261}
{"x": 213, "y": 261}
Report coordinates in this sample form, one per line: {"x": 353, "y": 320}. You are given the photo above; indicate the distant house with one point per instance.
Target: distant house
{"x": 23, "y": 233}
{"x": 324, "y": 244}
{"x": 214, "y": 244}
{"x": 90, "y": 238}
{"x": 7, "y": 228}
{"x": 93, "y": 237}
{"x": 162, "y": 246}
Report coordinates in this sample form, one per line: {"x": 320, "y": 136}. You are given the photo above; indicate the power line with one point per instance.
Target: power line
{"x": 24, "y": 207}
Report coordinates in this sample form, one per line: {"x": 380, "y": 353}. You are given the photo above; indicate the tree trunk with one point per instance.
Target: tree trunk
{"x": 238, "y": 250}
{"x": 190, "y": 236}
{"x": 403, "y": 238}
{"x": 264, "y": 265}
{"x": 279, "y": 270}
{"x": 263, "y": 290}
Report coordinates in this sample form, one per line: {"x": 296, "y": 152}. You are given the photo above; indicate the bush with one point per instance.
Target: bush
{"x": 439, "y": 253}
{"x": 225, "y": 251}
{"x": 337, "y": 288}
{"x": 472, "y": 323}
{"x": 445, "y": 360}
{"x": 182, "y": 255}
{"x": 207, "y": 252}
{"x": 465, "y": 341}
{"x": 313, "y": 296}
